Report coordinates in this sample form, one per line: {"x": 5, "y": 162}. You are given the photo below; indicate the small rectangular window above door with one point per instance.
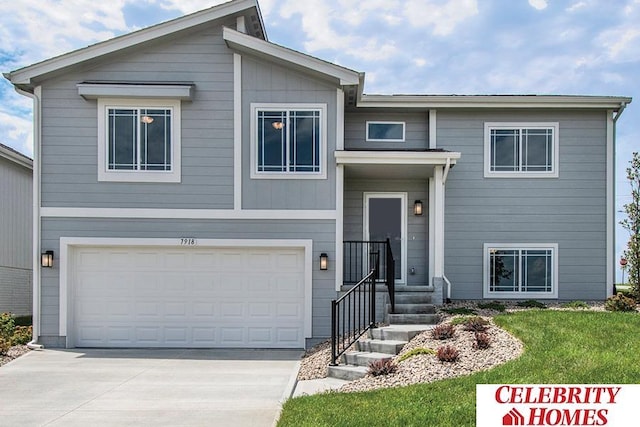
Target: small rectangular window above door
{"x": 385, "y": 131}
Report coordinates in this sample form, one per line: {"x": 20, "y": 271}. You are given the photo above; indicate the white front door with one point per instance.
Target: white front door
{"x": 385, "y": 217}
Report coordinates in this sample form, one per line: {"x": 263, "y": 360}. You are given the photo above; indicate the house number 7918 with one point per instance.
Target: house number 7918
{"x": 188, "y": 241}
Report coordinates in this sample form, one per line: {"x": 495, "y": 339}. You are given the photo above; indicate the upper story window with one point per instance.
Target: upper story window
{"x": 520, "y": 270}
{"x": 288, "y": 141}
{"x": 519, "y": 150}
{"x": 139, "y": 140}
{"x": 386, "y": 131}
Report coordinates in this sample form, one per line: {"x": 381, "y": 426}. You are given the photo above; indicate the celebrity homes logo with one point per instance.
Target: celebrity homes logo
{"x": 555, "y": 405}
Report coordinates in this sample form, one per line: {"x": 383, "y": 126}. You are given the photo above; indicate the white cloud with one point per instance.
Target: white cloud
{"x": 420, "y": 62}
{"x": 577, "y": 6}
{"x": 444, "y": 18}
{"x": 190, "y": 6}
{"x": 538, "y": 4}
{"x": 17, "y": 131}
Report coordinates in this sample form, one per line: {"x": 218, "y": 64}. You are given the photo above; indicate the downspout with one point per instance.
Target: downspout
{"x": 35, "y": 96}
{"x": 447, "y": 167}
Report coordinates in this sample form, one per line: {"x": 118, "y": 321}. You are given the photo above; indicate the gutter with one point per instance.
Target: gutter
{"x": 35, "y": 96}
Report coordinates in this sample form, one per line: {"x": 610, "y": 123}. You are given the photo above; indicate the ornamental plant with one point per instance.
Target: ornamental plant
{"x": 632, "y": 225}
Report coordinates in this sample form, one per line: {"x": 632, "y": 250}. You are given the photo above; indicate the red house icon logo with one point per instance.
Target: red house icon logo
{"x": 513, "y": 418}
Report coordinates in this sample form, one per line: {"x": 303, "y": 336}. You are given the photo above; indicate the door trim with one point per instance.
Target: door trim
{"x": 403, "y": 196}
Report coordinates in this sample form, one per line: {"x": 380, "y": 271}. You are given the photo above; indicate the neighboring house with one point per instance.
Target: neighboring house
{"x": 191, "y": 175}
{"x": 16, "y": 222}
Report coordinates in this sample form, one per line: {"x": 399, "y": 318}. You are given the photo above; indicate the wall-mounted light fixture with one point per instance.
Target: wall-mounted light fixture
{"x": 46, "y": 259}
{"x": 324, "y": 261}
{"x": 417, "y": 207}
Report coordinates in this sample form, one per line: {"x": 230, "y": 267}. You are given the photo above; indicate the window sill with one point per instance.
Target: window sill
{"x": 289, "y": 175}
{"x": 520, "y": 175}
{"x": 135, "y": 176}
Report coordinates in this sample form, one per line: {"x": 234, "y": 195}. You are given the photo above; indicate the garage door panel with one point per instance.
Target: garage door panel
{"x": 188, "y": 297}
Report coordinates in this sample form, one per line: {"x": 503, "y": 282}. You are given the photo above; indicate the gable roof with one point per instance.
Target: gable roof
{"x": 254, "y": 24}
{"x": 16, "y": 157}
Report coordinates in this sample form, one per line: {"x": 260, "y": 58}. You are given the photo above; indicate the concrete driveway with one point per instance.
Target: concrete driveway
{"x": 146, "y": 387}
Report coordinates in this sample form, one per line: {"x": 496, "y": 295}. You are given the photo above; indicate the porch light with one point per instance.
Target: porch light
{"x": 324, "y": 261}
{"x": 417, "y": 207}
{"x": 46, "y": 259}
{"x": 147, "y": 120}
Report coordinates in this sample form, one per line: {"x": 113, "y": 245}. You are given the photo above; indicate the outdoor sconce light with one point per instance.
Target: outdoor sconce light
{"x": 324, "y": 261}
{"x": 417, "y": 207}
{"x": 46, "y": 259}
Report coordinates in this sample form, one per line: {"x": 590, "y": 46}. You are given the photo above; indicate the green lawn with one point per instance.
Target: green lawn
{"x": 560, "y": 347}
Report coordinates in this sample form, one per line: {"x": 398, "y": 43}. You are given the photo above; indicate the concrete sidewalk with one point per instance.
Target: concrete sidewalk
{"x": 309, "y": 387}
{"x": 147, "y": 387}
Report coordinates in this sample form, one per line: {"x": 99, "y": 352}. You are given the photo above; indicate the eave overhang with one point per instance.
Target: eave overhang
{"x": 23, "y": 77}
{"x": 95, "y": 90}
{"x": 15, "y": 157}
{"x": 241, "y": 42}
{"x": 493, "y": 101}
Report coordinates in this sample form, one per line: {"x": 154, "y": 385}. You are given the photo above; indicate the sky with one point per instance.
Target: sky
{"x": 558, "y": 47}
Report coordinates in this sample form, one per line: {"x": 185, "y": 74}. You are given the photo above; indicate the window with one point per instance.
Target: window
{"x": 385, "y": 131}
{"x": 289, "y": 141}
{"x": 516, "y": 271}
{"x": 521, "y": 150}
{"x": 139, "y": 140}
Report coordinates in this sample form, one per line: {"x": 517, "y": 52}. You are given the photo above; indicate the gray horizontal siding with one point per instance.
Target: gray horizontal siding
{"x": 417, "y": 226}
{"x": 416, "y": 130}
{"x": 69, "y": 140}
{"x": 321, "y": 232}
{"x": 569, "y": 210}
{"x": 16, "y": 290}
{"x": 263, "y": 82}
{"x": 15, "y": 215}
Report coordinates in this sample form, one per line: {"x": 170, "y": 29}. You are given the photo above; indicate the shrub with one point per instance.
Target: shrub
{"x": 22, "y": 335}
{"x": 382, "y": 367}
{"x": 459, "y": 310}
{"x": 460, "y": 320}
{"x": 447, "y": 353}
{"x": 482, "y": 341}
{"x": 5, "y": 345}
{"x": 443, "y": 332}
{"x": 620, "y": 302}
{"x": 575, "y": 304}
{"x": 476, "y": 324}
{"x": 7, "y": 325}
{"x": 493, "y": 305}
{"x": 414, "y": 352}
{"x": 531, "y": 303}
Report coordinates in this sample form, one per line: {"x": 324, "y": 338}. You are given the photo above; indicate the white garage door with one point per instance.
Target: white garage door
{"x": 188, "y": 297}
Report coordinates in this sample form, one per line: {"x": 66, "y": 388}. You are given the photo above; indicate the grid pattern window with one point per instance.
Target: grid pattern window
{"x": 139, "y": 139}
{"x": 521, "y": 150}
{"x": 522, "y": 271}
{"x": 289, "y": 142}
{"x": 386, "y": 131}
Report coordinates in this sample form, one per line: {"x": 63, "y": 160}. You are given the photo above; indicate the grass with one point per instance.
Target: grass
{"x": 560, "y": 347}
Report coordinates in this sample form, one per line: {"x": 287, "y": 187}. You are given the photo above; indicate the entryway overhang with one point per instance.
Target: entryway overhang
{"x": 395, "y": 164}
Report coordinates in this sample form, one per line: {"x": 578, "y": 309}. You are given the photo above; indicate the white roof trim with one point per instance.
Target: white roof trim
{"x": 183, "y": 92}
{"x": 492, "y": 101}
{"x": 15, "y": 157}
{"x": 244, "y": 42}
{"x": 24, "y": 75}
{"x": 397, "y": 157}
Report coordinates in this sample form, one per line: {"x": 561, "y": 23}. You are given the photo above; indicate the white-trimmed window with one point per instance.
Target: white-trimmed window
{"x": 521, "y": 150}
{"x": 288, "y": 141}
{"x": 385, "y": 131}
{"x": 139, "y": 140}
{"x": 520, "y": 270}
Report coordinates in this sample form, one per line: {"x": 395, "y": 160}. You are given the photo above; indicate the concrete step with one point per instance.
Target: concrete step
{"x": 398, "y": 332}
{"x": 414, "y": 308}
{"x": 385, "y": 346}
{"x": 409, "y": 319}
{"x": 347, "y": 372}
{"x": 413, "y": 288}
{"x": 363, "y": 358}
{"x": 413, "y": 298}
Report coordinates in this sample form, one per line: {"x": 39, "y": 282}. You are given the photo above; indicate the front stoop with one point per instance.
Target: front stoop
{"x": 383, "y": 343}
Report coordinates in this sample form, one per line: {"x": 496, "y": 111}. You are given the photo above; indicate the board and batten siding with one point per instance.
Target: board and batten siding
{"x": 569, "y": 210}
{"x": 15, "y": 237}
{"x": 69, "y": 128}
{"x": 322, "y": 232}
{"x": 417, "y": 226}
{"x": 267, "y": 83}
{"x": 416, "y": 130}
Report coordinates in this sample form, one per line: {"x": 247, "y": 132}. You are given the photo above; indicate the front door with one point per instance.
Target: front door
{"x": 385, "y": 218}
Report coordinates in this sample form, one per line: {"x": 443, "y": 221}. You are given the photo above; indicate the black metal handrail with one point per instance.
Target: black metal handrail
{"x": 354, "y": 313}
{"x": 390, "y": 276}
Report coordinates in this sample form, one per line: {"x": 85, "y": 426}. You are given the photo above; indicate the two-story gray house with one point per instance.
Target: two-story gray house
{"x": 16, "y": 262}
{"x": 199, "y": 186}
